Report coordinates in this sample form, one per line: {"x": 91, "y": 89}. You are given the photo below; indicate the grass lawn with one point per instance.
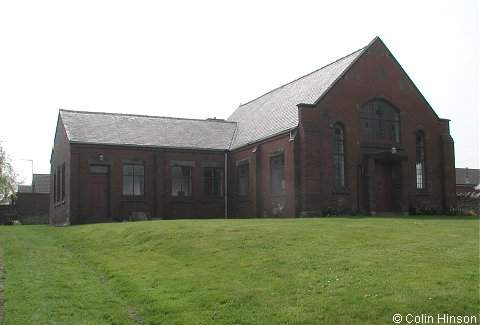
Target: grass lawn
{"x": 256, "y": 271}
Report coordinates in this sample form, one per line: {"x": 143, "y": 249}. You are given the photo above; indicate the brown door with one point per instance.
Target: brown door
{"x": 384, "y": 187}
{"x": 99, "y": 196}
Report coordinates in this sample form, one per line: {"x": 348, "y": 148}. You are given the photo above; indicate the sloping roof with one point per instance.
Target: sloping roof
{"x": 467, "y": 176}
{"x": 41, "y": 183}
{"x": 277, "y": 112}
{"x": 153, "y": 131}
{"x": 273, "y": 113}
{"x": 24, "y": 189}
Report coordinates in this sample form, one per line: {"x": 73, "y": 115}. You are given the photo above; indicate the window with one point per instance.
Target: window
{"x": 181, "y": 181}
{"x": 213, "y": 181}
{"x": 277, "y": 174}
{"x": 380, "y": 122}
{"x": 58, "y": 185}
{"x": 55, "y": 187}
{"x": 339, "y": 155}
{"x": 243, "y": 180}
{"x": 63, "y": 182}
{"x": 133, "y": 179}
{"x": 420, "y": 162}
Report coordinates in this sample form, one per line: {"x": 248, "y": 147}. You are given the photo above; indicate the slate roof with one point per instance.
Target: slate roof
{"x": 467, "y": 176}
{"x": 41, "y": 183}
{"x": 24, "y": 189}
{"x": 141, "y": 130}
{"x": 273, "y": 113}
{"x": 276, "y": 111}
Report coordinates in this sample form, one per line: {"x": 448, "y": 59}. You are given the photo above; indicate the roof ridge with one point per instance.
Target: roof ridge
{"x": 148, "y": 116}
{"x": 304, "y": 76}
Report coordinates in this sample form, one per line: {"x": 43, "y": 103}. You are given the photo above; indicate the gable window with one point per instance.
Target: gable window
{"x": 339, "y": 155}
{"x": 133, "y": 179}
{"x": 55, "y": 187}
{"x": 380, "y": 122}
{"x": 58, "y": 184}
{"x": 243, "y": 172}
{"x": 420, "y": 161}
{"x": 63, "y": 182}
{"x": 181, "y": 181}
{"x": 213, "y": 181}
{"x": 277, "y": 174}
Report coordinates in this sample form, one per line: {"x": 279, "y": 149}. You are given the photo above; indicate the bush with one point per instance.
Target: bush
{"x": 421, "y": 208}
{"x": 468, "y": 204}
{"x": 12, "y": 222}
{"x": 332, "y": 212}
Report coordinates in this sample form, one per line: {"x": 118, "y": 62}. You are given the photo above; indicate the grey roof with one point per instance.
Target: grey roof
{"x": 24, "y": 189}
{"x": 41, "y": 183}
{"x": 277, "y": 112}
{"x": 140, "y": 130}
{"x": 268, "y": 115}
{"x": 467, "y": 176}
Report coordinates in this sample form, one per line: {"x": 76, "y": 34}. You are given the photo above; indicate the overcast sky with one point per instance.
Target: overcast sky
{"x": 200, "y": 59}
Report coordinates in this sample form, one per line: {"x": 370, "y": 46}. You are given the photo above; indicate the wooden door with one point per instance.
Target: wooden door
{"x": 99, "y": 196}
{"x": 383, "y": 173}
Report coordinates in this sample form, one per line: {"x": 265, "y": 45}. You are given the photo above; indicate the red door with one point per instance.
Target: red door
{"x": 384, "y": 187}
{"x": 99, "y": 196}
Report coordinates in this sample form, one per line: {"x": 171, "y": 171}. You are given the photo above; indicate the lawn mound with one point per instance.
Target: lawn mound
{"x": 298, "y": 271}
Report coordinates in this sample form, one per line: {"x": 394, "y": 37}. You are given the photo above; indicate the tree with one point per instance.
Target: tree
{"x": 8, "y": 177}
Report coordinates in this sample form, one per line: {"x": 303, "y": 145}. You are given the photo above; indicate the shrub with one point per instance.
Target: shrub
{"x": 420, "y": 208}
{"x": 332, "y": 212}
{"x": 468, "y": 204}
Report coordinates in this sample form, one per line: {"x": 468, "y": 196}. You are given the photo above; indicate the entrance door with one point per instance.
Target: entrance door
{"x": 99, "y": 196}
{"x": 383, "y": 173}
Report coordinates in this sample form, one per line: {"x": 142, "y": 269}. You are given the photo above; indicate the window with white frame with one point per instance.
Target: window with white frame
{"x": 420, "y": 162}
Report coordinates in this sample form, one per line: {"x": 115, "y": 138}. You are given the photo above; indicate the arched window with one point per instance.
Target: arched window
{"x": 339, "y": 155}
{"x": 420, "y": 162}
{"x": 380, "y": 122}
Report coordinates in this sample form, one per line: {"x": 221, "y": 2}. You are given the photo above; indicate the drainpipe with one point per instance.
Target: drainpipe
{"x": 226, "y": 184}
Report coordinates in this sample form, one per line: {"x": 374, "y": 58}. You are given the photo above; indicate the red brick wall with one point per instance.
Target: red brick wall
{"x": 309, "y": 179}
{"x": 157, "y": 201}
{"x": 60, "y": 211}
{"x": 32, "y": 208}
{"x": 260, "y": 202}
{"x": 376, "y": 75}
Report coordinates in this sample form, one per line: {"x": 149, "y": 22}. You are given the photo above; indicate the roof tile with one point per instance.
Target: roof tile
{"x": 277, "y": 112}
{"x": 140, "y": 130}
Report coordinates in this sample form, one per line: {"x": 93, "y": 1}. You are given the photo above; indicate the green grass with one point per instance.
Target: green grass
{"x": 260, "y": 271}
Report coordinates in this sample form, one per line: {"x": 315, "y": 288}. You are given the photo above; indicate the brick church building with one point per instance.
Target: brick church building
{"x": 355, "y": 136}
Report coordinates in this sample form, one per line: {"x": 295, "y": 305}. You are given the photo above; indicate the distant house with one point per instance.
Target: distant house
{"x": 468, "y": 180}
{"x": 32, "y": 203}
{"x": 353, "y": 136}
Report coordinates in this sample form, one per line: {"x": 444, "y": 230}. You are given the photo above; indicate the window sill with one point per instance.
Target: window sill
{"x": 182, "y": 199}
{"x": 134, "y": 199}
{"x": 341, "y": 191}
{"x": 214, "y": 198}
{"x": 381, "y": 145}
{"x": 243, "y": 198}
{"x": 422, "y": 192}
{"x": 59, "y": 204}
{"x": 277, "y": 195}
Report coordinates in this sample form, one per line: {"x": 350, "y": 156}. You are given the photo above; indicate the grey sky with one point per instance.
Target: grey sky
{"x": 200, "y": 59}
